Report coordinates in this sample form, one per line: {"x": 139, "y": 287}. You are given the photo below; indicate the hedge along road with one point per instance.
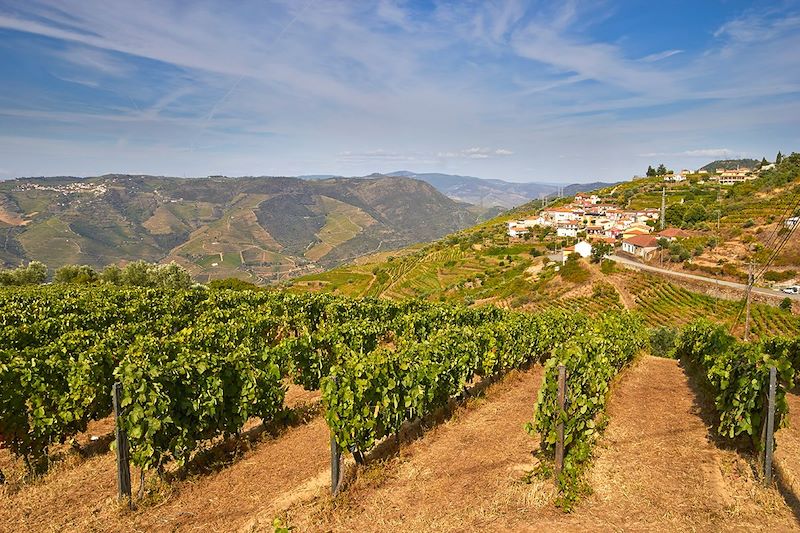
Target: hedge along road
{"x": 730, "y": 284}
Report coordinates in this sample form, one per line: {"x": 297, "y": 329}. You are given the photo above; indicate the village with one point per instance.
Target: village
{"x": 590, "y": 220}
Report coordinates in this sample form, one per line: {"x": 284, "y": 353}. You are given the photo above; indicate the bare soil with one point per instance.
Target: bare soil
{"x": 465, "y": 474}
{"x": 787, "y": 454}
{"x": 658, "y": 467}
{"x": 218, "y": 494}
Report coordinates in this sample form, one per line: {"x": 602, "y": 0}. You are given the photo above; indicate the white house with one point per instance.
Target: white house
{"x": 791, "y": 222}
{"x": 568, "y": 229}
{"x": 583, "y": 249}
{"x": 517, "y": 231}
{"x": 640, "y": 245}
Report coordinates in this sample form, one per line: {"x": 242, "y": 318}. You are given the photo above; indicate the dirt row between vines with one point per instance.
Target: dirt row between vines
{"x": 656, "y": 468}
{"x": 80, "y": 495}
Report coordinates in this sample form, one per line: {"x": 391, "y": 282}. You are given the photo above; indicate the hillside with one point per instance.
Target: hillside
{"x": 257, "y": 228}
{"x": 482, "y": 264}
{"x": 728, "y": 164}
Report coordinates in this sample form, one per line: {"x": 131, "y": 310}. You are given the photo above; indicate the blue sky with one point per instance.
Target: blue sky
{"x": 524, "y": 91}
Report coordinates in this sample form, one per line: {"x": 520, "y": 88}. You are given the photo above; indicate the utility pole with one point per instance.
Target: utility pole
{"x": 747, "y": 304}
{"x": 663, "y": 206}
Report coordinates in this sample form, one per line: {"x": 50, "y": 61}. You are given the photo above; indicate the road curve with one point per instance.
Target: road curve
{"x": 730, "y": 284}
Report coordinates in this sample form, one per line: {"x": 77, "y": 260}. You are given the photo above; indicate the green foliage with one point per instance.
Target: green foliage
{"x": 662, "y": 341}
{"x": 593, "y": 356}
{"x": 607, "y": 266}
{"x": 786, "y": 305}
{"x": 81, "y": 275}
{"x": 369, "y": 395}
{"x": 573, "y": 271}
{"x": 774, "y": 275}
{"x": 600, "y": 250}
{"x": 739, "y": 375}
{"x": 33, "y": 274}
{"x": 235, "y": 284}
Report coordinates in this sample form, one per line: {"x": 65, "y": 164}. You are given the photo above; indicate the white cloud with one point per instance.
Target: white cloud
{"x": 476, "y": 153}
{"x": 710, "y": 152}
{"x": 652, "y": 58}
{"x": 700, "y": 152}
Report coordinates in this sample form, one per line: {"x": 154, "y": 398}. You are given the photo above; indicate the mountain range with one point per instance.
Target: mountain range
{"x": 485, "y": 192}
{"x": 259, "y": 228}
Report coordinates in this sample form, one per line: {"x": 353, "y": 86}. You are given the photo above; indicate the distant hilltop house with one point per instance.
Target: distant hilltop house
{"x": 569, "y": 228}
{"x": 672, "y": 234}
{"x": 643, "y": 246}
{"x": 582, "y": 248}
{"x": 517, "y": 231}
{"x": 587, "y": 199}
{"x": 733, "y": 176}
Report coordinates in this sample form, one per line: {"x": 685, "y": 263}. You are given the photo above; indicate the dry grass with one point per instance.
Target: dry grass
{"x": 658, "y": 467}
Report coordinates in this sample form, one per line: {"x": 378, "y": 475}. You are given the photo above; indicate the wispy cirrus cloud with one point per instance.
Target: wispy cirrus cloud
{"x": 476, "y": 153}
{"x": 701, "y": 153}
{"x": 289, "y": 86}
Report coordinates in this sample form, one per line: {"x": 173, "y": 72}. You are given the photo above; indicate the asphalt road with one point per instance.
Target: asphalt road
{"x": 723, "y": 283}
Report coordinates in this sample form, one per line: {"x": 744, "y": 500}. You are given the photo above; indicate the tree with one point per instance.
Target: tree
{"x": 33, "y": 274}
{"x": 786, "y": 305}
{"x": 662, "y": 170}
{"x": 82, "y": 274}
{"x": 112, "y": 274}
{"x": 171, "y": 276}
{"x": 600, "y": 250}
{"x": 778, "y": 158}
{"x": 764, "y": 162}
{"x": 650, "y": 171}
{"x": 136, "y": 274}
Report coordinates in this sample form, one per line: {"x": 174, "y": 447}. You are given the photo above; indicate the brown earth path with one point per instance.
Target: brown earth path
{"x": 465, "y": 474}
{"x": 787, "y": 452}
{"x": 657, "y": 468}
{"x": 79, "y": 495}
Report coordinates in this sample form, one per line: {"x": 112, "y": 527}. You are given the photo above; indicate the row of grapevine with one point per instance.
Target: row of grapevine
{"x": 371, "y": 395}
{"x": 194, "y": 364}
{"x": 592, "y": 357}
{"x": 739, "y": 375}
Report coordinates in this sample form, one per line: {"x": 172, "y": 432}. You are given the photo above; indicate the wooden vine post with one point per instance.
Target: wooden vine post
{"x": 123, "y": 459}
{"x": 562, "y": 385}
{"x": 770, "y": 426}
{"x": 336, "y": 462}
{"x": 336, "y": 465}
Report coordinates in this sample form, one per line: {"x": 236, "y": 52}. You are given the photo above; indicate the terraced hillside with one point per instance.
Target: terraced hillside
{"x": 481, "y": 264}
{"x": 260, "y": 229}
{"x": 729, "y": 224}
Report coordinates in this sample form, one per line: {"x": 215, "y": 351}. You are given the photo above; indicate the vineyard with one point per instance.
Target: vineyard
{"x": 197, "y": 364}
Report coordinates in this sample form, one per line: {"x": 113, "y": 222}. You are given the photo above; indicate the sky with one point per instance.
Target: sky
{"x": 524, "y": 91}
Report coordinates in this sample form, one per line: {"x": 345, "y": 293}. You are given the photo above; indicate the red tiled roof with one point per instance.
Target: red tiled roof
{"x": 642, "y": 241}
{"x": 673, "y": 232}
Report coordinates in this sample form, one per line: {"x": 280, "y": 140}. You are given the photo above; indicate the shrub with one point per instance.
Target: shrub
{"x": 573, "y": 271}
{"x": 786, "y": 305}
{"x": 607, "y": 266}
{"x": 76, "y": 274}
{"x": 662, "y": 341}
